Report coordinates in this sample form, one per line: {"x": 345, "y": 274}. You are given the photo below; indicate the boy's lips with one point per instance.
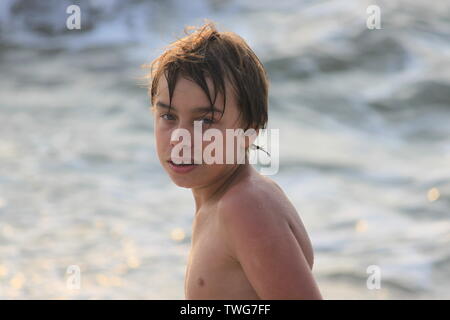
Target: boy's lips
{"x": 181, "y": 161}
{"x": 181, "y": 168}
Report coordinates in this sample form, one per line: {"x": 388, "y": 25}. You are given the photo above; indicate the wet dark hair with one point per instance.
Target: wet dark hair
{"x": 220, "y": 56}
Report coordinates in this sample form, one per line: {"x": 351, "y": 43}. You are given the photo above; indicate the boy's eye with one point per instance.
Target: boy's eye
{"x": 170, "y": 117}
{"x": 167, "y": 116}
{"x": 208, "y": 121}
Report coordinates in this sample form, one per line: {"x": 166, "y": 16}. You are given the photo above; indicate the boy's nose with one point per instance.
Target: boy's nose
{"x": 181, "y": 143}
{"x": 181, "y": 135}
{"x": 184, "y": 141}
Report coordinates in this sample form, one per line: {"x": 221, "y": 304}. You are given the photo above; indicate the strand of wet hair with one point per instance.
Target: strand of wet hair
{"x": 255, "y": 146}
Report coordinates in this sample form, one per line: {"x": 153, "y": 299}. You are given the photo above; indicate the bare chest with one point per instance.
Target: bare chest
{"x": 211, "y": 272}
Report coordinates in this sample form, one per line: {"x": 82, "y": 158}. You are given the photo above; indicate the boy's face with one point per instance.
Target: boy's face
{"x": 186, "y": 99}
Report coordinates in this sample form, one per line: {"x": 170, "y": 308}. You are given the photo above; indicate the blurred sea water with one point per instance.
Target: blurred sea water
{"x": 364, "y": 119}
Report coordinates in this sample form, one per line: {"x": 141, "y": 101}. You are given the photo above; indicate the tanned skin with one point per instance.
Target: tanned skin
{"x": 248, "y": 241}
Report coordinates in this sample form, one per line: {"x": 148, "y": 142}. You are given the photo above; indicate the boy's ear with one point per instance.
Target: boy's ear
{"x": 252, "y": 134}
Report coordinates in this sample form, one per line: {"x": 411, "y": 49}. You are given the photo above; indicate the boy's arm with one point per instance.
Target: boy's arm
{"x": 268, "y": 252}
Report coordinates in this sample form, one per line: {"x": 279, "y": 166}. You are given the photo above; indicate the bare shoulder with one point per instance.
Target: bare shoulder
{"x": 258, "y": 206}
{"x": 252, "y": 198}
{"x": 270, "y": 244}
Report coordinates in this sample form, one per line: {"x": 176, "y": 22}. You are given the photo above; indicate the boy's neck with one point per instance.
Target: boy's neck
{"x": 214, "y": 191}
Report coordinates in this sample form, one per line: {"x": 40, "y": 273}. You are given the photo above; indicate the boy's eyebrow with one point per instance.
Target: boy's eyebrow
{"x": 196, "y": 109}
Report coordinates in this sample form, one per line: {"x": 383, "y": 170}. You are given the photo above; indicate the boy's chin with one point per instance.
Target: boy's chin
{"x": 183, "y": 184}
{"x": 184, "y": 181}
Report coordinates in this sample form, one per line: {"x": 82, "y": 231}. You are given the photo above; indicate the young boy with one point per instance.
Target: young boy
{"x": 248, "y": 242}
